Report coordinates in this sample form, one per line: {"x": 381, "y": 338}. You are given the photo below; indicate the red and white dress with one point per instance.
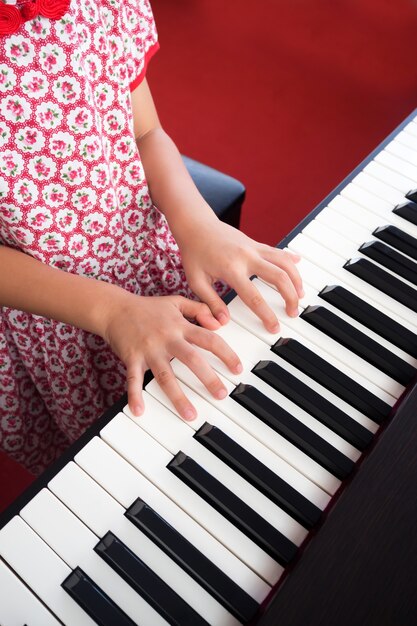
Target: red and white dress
{"x": 73, "y": 194}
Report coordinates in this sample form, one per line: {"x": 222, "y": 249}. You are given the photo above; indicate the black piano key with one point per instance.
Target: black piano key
{"x": 398, "y": 239}
{"x": 205, "y": 572}
{"x": 94, "y": 601}
{"x": 312, "y": 402}
{"x": 411, "y": 195}
{"x": 371, "y": 317}
{"x": 359, "y": 343}
{"x": 233, "y": 508}
{"x": 407, "y": 210}
{"x": 391, "y": 259}
{"x": 146, "y": 583}
{"x": 260, "y": 476}
{"x": 382, "y": 280}
{"x": 293, "y": 430}
{"x": 333, "y": 379}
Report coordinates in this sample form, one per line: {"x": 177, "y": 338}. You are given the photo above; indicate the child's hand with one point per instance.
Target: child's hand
{"x": 146, "y": 332}
{"x": 219, "y": 251}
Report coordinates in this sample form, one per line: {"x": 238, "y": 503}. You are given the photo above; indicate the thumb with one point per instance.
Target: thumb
{"x": 205, "y": 291}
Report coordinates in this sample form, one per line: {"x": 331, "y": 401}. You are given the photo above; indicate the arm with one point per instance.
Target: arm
{"x": 144, "y": 332}
{"x": 222, "y": 252}
{"x": 29, "y": 285}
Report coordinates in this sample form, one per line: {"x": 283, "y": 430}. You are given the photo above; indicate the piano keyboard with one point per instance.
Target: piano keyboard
{"x": 155, "y": 521}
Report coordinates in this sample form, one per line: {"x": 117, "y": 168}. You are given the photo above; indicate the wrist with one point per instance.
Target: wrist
{"x": 106, "y": 300}
{"x": 187, "y": 225}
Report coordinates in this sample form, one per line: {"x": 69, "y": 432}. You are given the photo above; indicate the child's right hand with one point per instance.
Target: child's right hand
{"x": 147, "y": 332}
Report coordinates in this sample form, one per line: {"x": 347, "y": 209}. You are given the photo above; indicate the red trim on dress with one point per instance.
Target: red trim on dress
{"x": 148, "y": 56}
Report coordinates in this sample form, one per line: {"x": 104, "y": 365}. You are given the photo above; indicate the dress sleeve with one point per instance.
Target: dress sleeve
{"x": 143, "y": 39}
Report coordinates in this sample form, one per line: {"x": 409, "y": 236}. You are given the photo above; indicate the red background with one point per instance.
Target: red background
{"x": 286, "y": 95}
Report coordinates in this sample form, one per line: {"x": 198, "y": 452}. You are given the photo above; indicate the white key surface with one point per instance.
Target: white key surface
{"x": 41, "y": 569}
{"x": 333, "y": 263}
{"x": 175, "y": 435}
{"x": 283, "y": 448}
{"x": 253, "y": 350}
{"x": 208, "y": 413}
{"x": 101, "y": 513}
{"x": 125, "y": 484}
{"x": 18, "y": 605}
{"x": 151, "y": 459}
{"x": 74, "y": 543}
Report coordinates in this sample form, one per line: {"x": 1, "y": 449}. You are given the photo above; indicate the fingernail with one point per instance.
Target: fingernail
{"x": 221, "y": 394}
{"x": 239, "y": 368}
{"x": 274, "y": 328}
{"x": 137, "y": 410}
{"x": 189, "y": 414}
{"x": 301, "y": 293}
{"x": 222, "y": 318}
{"x": 294, "y": 313}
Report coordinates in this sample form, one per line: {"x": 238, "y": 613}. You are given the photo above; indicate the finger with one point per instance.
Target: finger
{"x": 204, "y": 290}
{"x": 295, "y": 257}
{"x": 134, "y": 379}
{"x": 280, "y": 279}
{"x": 200, "y": 312}
{"x": 210, "y": 341}
{"x": 253, "y": 299}
{"x": 165, "y": 377}
{"x": 199, "y": 366}
{"x": 286, "y": 260}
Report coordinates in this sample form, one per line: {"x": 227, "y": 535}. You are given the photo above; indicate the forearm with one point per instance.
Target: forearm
{"x": 28, "y": 285}
{"x": 171, "y": 187}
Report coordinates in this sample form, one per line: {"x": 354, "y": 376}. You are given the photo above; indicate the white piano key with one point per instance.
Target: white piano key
{"x": 253, "y": 350}
{"x": 18, "y": 605}
{"x": 411, "y": 128}
{"x": 208, "y": 413}
{"x": 331, "y": 346}
{"x": 398, "y": 166}
{"x": 151, "y": 459}
{"x": 74, "y": 543}
{"x": 353, "y": 231}
{"x": 41, "y": 569}
{"x": 406, "y": 139}
{"x": 318, "y": 276}
{"x": 374, "y": 217}
{"x": 372, "y": 194}
{"x": 241, "y": 314}
{"x": 333, "y": 263}
{"x": 333, "y": 240}
{"x": 283, "y": 448}
{"x": 125, "y": 484}
{"x": 389, "y": 177}
{"x": 175, "y": 435}
{"x": 305, "y": 418}
{"x": 314, "y": 300}
{"x": 399, "y": 148}
{"x": 101, "y": 513}
{"x": 338, "y": 224}
{"x": 344, "y": 220}
{"x": 387, "y": 194}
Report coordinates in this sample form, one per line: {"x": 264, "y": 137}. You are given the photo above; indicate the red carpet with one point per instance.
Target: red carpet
{"x": 287, "y": 96}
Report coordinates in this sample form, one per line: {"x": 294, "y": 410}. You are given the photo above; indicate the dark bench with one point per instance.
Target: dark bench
{"x": 223, "y": 193}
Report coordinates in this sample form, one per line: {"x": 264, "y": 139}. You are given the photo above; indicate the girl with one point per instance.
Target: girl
{"x": 98, "y": 217}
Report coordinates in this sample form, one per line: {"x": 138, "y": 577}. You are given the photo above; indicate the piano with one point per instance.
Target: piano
{"x": 291, "y": 502}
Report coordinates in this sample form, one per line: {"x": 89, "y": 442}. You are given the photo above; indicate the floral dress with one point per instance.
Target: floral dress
{"x": 73, "y": 195}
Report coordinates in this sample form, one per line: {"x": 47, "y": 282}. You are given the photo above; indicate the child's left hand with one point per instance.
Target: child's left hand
{"x": 215, "y": 250}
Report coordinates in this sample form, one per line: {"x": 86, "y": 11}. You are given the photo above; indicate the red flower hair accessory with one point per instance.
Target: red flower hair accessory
{"x": 12, "y": 17}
